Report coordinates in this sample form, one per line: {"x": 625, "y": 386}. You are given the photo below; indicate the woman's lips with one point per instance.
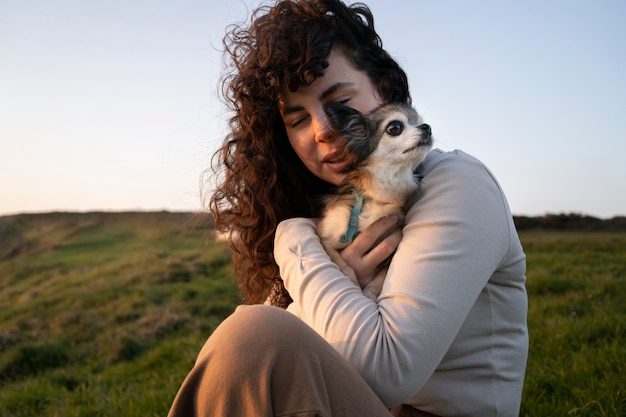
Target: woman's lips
{"x": 335, "y": 162}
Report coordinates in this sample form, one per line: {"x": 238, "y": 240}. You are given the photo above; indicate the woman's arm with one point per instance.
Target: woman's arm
{"x": 455, "y": 237}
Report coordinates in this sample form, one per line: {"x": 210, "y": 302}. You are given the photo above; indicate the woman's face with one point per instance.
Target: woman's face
{"x": 308, "y": 128}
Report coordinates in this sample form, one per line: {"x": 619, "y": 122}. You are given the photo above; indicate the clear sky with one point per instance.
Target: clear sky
{"x": 113, "y": 105}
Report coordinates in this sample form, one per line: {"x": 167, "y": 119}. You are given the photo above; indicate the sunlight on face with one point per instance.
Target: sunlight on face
{"x": 308, "y": 129}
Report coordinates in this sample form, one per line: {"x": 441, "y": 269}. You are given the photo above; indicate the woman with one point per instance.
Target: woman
{"x": 447, "y": 335}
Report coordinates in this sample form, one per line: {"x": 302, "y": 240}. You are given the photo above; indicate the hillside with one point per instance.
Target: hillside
{"x": 94, "y": 305}
{"x": 28, "y": 234}
{"x": 102, "y": 314}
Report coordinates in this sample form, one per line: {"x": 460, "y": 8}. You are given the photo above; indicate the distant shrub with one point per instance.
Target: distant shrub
{"x": 570, "y": 221}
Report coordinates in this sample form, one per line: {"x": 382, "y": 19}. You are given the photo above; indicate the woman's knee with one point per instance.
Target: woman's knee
{"x": 257, "y": 329}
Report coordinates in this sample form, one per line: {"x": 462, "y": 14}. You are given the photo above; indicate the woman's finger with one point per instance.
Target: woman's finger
{"x": 384, "y": 249}
{"x": 371, "y": 247}
{"x": 373, "y": 234}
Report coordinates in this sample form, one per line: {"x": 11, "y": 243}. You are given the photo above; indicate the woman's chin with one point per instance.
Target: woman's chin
{"x": 332, "y": 176}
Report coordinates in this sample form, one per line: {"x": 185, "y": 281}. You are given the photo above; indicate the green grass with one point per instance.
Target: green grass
{"x": 103, "y": 314}
{"x": 577, "y": 312}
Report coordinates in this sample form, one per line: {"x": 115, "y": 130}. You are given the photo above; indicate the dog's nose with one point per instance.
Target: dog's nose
{"x": 425, "y": 128}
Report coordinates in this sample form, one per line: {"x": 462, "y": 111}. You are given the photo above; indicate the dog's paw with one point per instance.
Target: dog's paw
{"x": 371, "y": 293}
{"x": 373, "y": 289}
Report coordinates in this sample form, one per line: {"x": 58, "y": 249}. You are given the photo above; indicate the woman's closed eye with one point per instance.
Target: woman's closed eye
{"x": 297, "y": 121}
{"x": 342, "y": 100}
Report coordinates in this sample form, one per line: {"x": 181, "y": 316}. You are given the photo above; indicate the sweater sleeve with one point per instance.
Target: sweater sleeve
{"x": 455, "y": 236}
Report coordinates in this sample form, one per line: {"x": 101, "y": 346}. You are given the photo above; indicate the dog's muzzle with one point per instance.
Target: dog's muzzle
{"x": 426, "y": 134}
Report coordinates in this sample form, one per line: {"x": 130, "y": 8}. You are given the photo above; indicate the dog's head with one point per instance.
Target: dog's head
{"x": 393, "y": 132}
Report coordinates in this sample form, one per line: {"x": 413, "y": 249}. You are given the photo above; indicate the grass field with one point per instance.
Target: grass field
{"x": 577, "y": 324}
{"x": 103, "y": 314}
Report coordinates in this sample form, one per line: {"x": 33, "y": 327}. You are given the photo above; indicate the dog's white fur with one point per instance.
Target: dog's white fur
{"x": 383, "y": 149}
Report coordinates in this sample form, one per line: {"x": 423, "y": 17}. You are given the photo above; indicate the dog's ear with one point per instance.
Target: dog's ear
{"x": 350, "y": 123}
{"x": 353, "y": 127}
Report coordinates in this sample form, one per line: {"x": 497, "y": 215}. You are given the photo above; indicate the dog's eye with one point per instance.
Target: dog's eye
{"x": 395, "y": 128}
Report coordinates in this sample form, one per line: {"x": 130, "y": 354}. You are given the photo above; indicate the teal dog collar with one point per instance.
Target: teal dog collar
{"x": 353, "y": 225}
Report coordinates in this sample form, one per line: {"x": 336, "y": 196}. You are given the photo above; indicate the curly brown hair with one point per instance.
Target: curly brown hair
{"x": 261, "y": 181}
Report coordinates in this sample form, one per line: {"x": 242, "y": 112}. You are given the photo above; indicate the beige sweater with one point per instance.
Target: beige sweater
{"x": 448, "y": 334}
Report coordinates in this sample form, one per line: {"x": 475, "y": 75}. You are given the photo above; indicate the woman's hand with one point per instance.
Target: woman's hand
{"x": 371, "y": 247}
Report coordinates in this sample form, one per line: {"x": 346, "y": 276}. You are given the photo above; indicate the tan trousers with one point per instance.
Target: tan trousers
{"x": 263, "y": 361}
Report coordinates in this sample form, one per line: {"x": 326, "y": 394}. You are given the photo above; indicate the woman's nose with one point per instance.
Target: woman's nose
{"x": 322, "y": 129}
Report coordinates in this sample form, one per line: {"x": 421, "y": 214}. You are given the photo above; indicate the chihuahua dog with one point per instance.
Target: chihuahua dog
{"x": 382, "y": 150}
